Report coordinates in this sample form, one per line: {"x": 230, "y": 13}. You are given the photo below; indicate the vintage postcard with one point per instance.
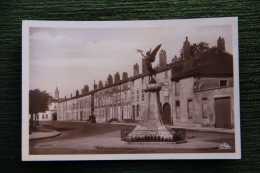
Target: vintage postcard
{"x": 130, "y": 90}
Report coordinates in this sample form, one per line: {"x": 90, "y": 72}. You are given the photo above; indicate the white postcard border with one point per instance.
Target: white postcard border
{"x": 126, "y": 24}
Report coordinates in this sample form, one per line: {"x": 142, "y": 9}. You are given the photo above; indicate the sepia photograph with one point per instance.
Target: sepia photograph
{"x": 130, "y": 90}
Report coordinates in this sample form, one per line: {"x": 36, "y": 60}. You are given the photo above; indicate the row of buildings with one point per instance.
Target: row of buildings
{"x": 197, "y": 90}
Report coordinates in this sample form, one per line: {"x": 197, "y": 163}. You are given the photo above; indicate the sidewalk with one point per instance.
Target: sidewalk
{"x": 206, "y": 129}
{"x": 191, "y": 127}
{"x": 194, "y": 128}
{"x": 148, "y": 146}
{"x": 43, "y": 133}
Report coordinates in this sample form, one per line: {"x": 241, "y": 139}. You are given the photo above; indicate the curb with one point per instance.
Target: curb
{"x": 200, "y": 129}
{"x": 43, "y": 135}
{"x": 149, "y": 146}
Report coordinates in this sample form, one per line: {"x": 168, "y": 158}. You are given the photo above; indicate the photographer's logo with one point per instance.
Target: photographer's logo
{"x": 224, "y": 146}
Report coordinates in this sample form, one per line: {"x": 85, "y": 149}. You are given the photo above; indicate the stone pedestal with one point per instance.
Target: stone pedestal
{"x": 151, "y": 125}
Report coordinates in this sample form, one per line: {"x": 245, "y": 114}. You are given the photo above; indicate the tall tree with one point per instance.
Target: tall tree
{"x": 38, "y": 102}
{"x": 198, "y": 47}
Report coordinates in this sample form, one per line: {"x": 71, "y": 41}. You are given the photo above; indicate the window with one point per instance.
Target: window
{"x": 223, "y": 83}
{"x": 118, "y": 112}
{"x": 115, "y": 112}
{"x": 125, "y": 112}
{"x": 177, "y": 88}
{"x": 137, "y": 94}
{"x": 190, "y": 109}
{"x": 133, "y": 95}
{"x": 142, "y": 94}
{"x": 125, "y": 97}
{"x": 122, "y": 97}
{"x": 204, "y": 108}
{"x": 177, "y": 106}
{"x": 118, "y": 97}
{"x": 137, "y": 111}
{"x": 114, "y": 98}
{"x": 128, "y": 94}
{"x": 128, "y": 112}
{"x": 42, "y": 116}
{"x": 142, "y": 111}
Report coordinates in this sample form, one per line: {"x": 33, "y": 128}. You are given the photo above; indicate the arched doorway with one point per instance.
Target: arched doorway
{"x": 166, "y": 117}
{"x": 54, "y": 116}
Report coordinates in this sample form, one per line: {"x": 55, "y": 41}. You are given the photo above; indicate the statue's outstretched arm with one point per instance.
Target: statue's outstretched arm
{"x": 143, "y": 54}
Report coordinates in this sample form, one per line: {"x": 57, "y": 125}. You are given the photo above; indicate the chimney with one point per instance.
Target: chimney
{"x": 95, "y": 85}
{"x": 162, "y": 60}
{"x": 221, "y": 44}
{"x": 186, "y": 49}
{"x": 136, "y": 69}
{"x": 144, "y": 66}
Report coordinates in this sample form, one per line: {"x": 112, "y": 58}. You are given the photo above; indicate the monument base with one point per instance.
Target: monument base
{"x": 151, "y": 128}
{"x": 176, "y": 135}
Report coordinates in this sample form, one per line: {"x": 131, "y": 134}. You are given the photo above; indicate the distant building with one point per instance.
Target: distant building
{"x": 75, "y": 108}
{"x": 51, "y": 113}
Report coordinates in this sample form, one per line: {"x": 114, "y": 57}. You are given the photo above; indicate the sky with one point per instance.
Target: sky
{"x": 69, "y": 58}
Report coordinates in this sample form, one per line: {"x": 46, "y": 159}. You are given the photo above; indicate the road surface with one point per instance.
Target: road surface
{"x": 82, "y": 137}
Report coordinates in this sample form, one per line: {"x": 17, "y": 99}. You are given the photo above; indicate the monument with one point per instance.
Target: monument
{"x": 151, "y": 128}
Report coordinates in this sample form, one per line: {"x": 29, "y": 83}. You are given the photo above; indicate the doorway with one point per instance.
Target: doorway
{"x": 166, "y": 116}
{"x": 54, "y": 116}
{"x": 223, "y": 112}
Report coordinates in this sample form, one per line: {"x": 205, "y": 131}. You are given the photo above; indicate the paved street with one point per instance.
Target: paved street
{"x": 87, "y": 138}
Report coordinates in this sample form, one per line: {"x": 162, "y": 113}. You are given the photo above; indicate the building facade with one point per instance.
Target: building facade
{"x": 51, "y": 113}
{"x": 197, "y": 90}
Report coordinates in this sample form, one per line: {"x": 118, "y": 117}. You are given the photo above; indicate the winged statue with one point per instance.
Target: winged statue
{"x": 149, "y": 58}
